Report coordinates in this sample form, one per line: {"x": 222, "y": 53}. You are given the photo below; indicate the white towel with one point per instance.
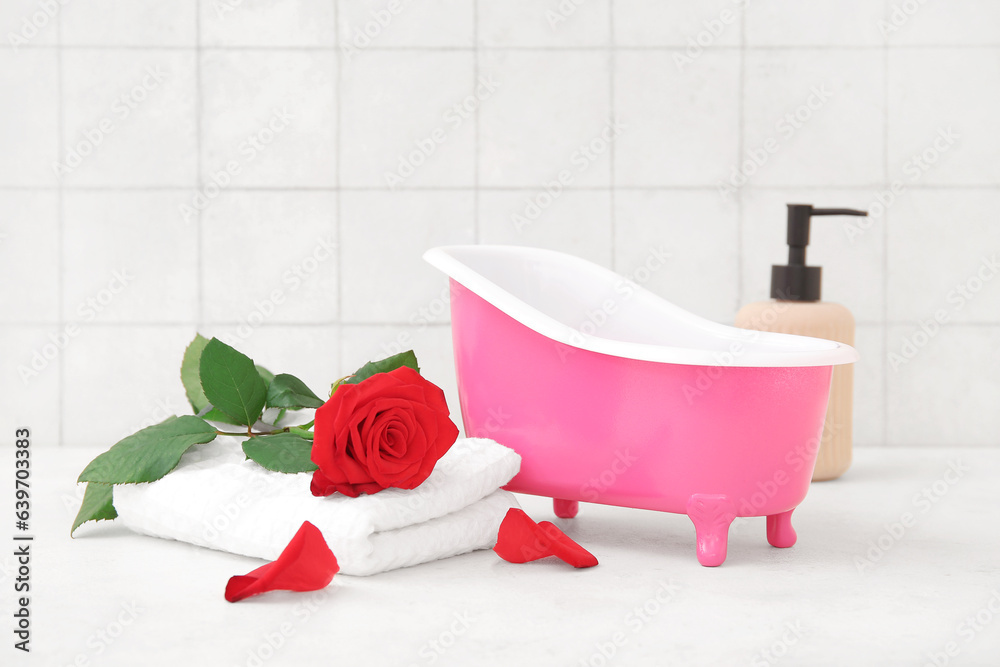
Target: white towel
{"x": 216, "y": 498}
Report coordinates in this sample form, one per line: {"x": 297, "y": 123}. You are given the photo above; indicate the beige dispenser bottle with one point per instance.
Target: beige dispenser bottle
{"x": 796, "y": 308}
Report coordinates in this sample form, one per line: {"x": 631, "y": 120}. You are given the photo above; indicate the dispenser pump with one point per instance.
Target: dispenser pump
{"x": 795, "y": 281}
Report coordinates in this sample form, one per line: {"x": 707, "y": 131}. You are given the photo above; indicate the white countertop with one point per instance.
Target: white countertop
{"x": 648, "y": 602}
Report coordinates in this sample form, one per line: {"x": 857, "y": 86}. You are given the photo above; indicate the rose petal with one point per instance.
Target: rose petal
{"x": 349, "y": 464}
{"x": 565, "y": 549}
{"x": 521, "y": 540}
{"x": 389, "y": 466}
{"x": 398, "y": 426}
{"x": 321, "y": 485}
{"x": 328, "y": 416}
{"x": 306, "y": 564}
{"x": 394, "y": 436}
{"x": 390, "y": 385}
{"x": 354, "y": 438}
{"x": 517, "y": 540}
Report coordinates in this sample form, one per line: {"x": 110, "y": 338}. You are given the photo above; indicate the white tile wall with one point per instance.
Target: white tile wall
{"x": 572, "y": 221}
{"x": 824, "y": 109}
{"x": 697, "y": 232}
{"x": 141, "y": 361}
{"x": 383, "y": 235}
{"x": 30, "y": 251}
{"x": 267, "y": 135}
{"x": 815, "y": 23}
{"x": 677, "y": 24}
{"x": 23, "y": 22}
{"x": 129, "y": 117}
{"x": 141, "y": 23}
{"x": 959, "y": 22}
{"x": 681, "y": 121}
{"x": 944, "y": 89}
{"x": 400, "y": 105}
{"x": 273, "y": 23}
{"x": 30, "y": 380}
{"x": 270, "y": 257}
{"x": 272, "y": 113}
{"x": 382, "y": 24}
{"x": 31, "y": 144}
{"x": 947, "y": 390}
{"x": 529, "y": 23}
{"x": 869, "y": 385}
{"x": 140, "y": 271}
{"x": 951, "y": 267}
{"x": 520, "y": 147}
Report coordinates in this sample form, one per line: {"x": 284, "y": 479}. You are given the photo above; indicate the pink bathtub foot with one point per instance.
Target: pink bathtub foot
{"x": 711, "y": 515}
{"x": 779, "y": 530}
{"x": 565, "y": 509}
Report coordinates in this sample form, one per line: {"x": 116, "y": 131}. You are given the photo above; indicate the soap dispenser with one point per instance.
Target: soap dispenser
{"x": 795, "y": 307}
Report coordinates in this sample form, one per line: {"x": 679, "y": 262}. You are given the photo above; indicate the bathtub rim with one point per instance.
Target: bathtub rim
{"x": 821, "y": 352}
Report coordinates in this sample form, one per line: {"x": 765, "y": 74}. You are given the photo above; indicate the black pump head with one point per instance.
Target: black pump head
{"x": 796, "y": 281}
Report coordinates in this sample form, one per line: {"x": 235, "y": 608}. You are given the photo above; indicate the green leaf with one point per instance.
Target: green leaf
{"x": 407, "y": 358}
{"x": 287, "y": 391}
{"x": 96, "y": 506}
{"x": 149, "y": 454}
{"x": 265, "y": 374}
{"x": 232, "y": 383}
{"x": 281, "y": 452}
{"x": 216, "y": 415}
{"x": 190, "y": 374}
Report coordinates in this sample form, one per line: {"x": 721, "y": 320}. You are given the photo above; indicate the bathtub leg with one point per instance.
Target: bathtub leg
{"x": 779, "y": 530}
{"x": 711, "y": 515}
{"x": 565, "y": 509}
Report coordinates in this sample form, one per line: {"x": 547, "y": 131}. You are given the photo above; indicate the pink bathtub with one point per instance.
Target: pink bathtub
{"x": 612, "y": 395}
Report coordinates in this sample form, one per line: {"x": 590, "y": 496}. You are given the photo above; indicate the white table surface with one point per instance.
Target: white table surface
{"x": 808, "y": 605}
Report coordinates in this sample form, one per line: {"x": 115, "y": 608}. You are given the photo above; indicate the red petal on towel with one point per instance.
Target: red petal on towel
{"x": 306, "y": 564}
{"x": 521, "y": 540}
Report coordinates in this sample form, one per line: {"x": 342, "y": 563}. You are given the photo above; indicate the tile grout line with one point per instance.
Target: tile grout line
{"x": 199, "y": 217}
{"x": 60, "y": 227}
{"x": 974, "y": 324}
{"x": 338, "y": 190}
{"x": 885, "y": 236}
{"x": 540, "y": 47}
{"x": 739, "y": 157}
{"x": 612, "y": 179}
{"x": 466, "y": 188}
{"x": 475, "y": 123}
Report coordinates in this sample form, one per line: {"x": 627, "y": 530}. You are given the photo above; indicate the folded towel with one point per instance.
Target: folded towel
{"x": 216, "y": 498}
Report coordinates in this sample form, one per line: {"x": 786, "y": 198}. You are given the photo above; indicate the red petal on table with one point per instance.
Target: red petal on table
{"x": 306, "y": 564}
{"x": 517, "y": 541}
{"x": 566, "y": 549}
{"x": 521, "y": 540}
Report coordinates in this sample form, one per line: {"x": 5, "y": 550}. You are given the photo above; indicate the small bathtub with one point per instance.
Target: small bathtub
{"x": 613, "y": 395}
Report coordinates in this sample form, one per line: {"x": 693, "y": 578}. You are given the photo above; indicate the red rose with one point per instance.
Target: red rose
{"x": 386, "y": 431}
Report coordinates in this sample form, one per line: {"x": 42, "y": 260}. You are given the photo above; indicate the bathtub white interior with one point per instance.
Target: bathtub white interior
{"x": 581, "y": 304}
